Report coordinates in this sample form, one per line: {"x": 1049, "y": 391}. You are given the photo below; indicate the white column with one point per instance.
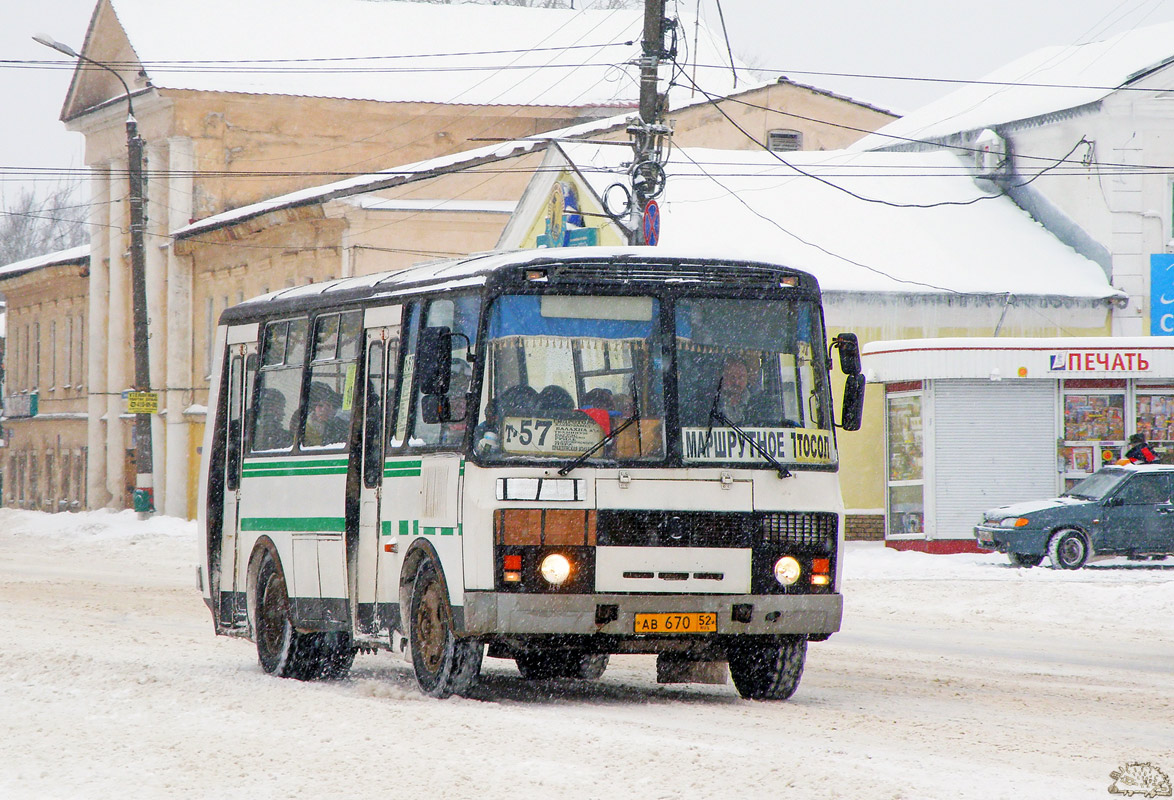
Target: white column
{"x": 156, "y": 262}
{"x": 94, "y": 380}
{"x": 179, "y": 329}
{"x": 118, "y": 354}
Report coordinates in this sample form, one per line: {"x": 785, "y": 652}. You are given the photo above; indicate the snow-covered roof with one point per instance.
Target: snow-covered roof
{"x": 747, "y": 204}
{"x": 1047, "y": 81}
{"x": 74, "y": 255}
{"x": 473, "y": 270}
{"x": 404, "y": 52}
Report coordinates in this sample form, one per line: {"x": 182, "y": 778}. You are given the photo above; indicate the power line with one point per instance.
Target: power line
{"x": 1002, "y": 191}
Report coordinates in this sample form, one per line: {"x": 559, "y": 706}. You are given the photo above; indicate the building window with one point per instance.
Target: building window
{"x": 784, "y": 141}
{"x": 906, "y": 465}
{"x": 36, "y": 356}
{"x": 68, "y": 352}
{"x": 1094, "y": 429}
{"x": 53, "y": 355}
{"x": 209, "y": 336}
{"x": 80, "y": 382}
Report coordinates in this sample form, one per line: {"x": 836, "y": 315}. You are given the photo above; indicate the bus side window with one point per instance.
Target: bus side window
{"x": 460, "y": 315}
{"x": 233, "y": 439}
{"x": 330, "y": 396}
{"x": 279, "y": 381}
{"x": 373, "y": 417}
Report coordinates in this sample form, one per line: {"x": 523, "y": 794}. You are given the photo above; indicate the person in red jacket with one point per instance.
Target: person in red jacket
{"x": 1139, "y": 451}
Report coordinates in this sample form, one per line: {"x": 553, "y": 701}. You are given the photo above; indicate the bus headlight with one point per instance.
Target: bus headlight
{"x": 555, "y": 568}
{"x": 787, "y": 571}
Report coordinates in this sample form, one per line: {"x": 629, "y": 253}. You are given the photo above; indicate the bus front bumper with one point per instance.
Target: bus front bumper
{"x": 615, "y": 614}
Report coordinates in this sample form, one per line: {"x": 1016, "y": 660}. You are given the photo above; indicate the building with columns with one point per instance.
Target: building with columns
{"x": 332, "y": 89}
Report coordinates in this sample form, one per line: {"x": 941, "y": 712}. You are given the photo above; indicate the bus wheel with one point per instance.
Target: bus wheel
{"x": 768, "y": 670}
{"x": 283, "y": 651}
{"x": 544, "y": 665}
{"x": 443, "y": 663}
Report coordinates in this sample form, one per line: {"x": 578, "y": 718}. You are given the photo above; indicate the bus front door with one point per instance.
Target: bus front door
{"x": 231, "y": 585}
{"x": 372, "y": 591}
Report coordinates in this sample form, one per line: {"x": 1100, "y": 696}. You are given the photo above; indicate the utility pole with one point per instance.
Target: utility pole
{"x": 650, "y": 134}
{"x": 144, "y": 493}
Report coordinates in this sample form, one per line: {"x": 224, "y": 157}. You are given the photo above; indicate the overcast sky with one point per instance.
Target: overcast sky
{"x": 911, "y": 38}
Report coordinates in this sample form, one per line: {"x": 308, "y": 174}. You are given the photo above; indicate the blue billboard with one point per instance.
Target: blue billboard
{"x": 1162, "y": 295}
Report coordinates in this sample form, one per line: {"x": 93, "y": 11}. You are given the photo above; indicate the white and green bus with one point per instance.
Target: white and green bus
{"x": 548, "y": 456}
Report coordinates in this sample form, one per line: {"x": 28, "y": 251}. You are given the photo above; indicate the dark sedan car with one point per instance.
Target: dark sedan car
{"x": 1118, "y": 511}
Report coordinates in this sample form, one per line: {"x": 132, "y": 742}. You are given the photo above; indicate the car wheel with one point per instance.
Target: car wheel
{"x": 1024, "y": 559}
{"x": 1068, "y": 549}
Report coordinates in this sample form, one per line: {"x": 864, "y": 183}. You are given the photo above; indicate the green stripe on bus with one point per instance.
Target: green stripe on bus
{"x": 401, "y": 473}
{"x": 316, "y": 524}
{"x": 301, "y": 462}
{"x": 413, "y": 528}
{"x": 271, "y": 473}
{"x": 385, "y": 528}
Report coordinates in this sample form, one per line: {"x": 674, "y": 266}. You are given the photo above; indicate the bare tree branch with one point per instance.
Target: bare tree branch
{"x": 32, "y": 226}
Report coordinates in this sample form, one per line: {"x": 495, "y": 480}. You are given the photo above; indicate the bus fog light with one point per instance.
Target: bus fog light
{"x": 556, "y": 568}
{"x": 787, "y": 571}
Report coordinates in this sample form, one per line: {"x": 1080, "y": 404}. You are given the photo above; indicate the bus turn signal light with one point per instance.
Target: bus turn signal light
{"x": 512, "y": 566}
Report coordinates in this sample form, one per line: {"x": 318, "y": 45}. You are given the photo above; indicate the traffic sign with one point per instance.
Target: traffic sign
{"x": 651, "y": 223}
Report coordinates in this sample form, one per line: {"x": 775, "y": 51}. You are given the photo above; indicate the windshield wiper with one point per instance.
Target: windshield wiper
{"x": 715, "y": 413}
{"x": 586, "y": 454}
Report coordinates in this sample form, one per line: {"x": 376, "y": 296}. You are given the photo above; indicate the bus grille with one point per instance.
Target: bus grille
{"x": 710, "y": 529}
{"x": 799, "y": 528}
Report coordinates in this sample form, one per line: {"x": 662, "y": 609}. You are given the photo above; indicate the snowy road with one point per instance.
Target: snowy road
{"x": 954, "y": 677}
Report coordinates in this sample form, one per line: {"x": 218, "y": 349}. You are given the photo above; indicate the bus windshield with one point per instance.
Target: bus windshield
{"x": 564, "y": 372}
{"x": 752, "y": 379}
{"x": 570, "y": 377}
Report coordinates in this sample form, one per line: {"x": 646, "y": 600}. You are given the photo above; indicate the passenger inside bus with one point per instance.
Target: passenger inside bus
{"x": 271, "y": 431}
{"x": 324, "y": 427}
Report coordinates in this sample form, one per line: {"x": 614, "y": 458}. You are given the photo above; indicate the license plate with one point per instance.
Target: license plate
{"x": 692, "y": 622}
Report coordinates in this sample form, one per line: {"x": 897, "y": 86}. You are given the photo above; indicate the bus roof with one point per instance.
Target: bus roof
{"x": 474, "y": 270}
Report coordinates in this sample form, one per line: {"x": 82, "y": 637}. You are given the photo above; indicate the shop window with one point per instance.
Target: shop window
{"x": 906, "y": 483}
{"x": 1155, "y": 421}
{"x": 1094, "y": 432}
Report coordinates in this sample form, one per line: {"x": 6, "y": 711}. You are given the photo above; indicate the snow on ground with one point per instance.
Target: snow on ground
{"x": 954, "y": 677}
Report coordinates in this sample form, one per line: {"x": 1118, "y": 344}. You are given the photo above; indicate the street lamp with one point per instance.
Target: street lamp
{"x": 144, "y": 494}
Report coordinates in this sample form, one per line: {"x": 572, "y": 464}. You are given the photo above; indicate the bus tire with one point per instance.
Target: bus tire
{"x": 767, "y": 670}
{"x": 281, "y": 649}
{"x": 443, "y": 663}
{"x": 549, "y": 664}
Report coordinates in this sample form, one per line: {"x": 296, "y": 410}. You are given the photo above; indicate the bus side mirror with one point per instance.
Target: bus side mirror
{"x": 852, "y": 413}
{"x": 434, "y": 360}
{"x": 849, "y": 349}
{"x": 434, "y": 409}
